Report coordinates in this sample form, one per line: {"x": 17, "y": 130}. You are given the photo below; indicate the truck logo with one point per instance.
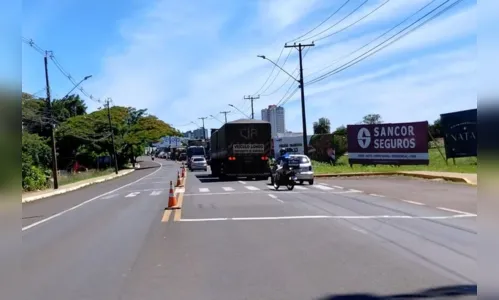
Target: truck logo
{"x": 248, "y": 133}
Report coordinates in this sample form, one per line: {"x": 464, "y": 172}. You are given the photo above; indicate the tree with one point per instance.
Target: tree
{"x": 372, "y": 119}
{"x": 323, "y": 126}
{"x": 341, "y": 130}
{"x": 435, "y": 129}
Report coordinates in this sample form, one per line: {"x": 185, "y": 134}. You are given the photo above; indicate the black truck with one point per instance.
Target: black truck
{"x": 241, "y": 149}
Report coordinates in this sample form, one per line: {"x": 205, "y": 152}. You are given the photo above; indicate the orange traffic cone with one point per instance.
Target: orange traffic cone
{"x": 179, "y": 182}
{"x": 172, "y": 201}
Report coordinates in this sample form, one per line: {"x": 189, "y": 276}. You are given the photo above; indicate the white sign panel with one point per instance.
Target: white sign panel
{"x": 295, "y": 143}
{"x": 248, "y": 148}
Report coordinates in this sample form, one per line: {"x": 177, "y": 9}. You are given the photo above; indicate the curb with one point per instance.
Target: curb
{"x": 66, "y": 190}
{"x": 424, "y": 176}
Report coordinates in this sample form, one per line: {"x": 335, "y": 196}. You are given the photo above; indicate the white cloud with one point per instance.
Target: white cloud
{"x": 186, "y": 61}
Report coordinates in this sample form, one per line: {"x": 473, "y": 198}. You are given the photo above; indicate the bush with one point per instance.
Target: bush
{"x": 33, "y": 177}
{"x": 35, "y": 159}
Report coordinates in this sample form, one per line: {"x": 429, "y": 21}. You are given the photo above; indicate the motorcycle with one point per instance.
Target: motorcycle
{"x": 286, "y": 178}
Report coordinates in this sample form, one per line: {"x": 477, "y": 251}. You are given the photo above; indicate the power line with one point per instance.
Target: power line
{"x": 375, "y": 39}
{"x": 289, "y": 97}
{"x": 367, "y": 54}
{"x": 271, "y": 72}
{"x": 278, "y": 71}
{"x": 293, "y": 73}
{"x": 354, "y": 23}
{"x": 320, "y": 24}
{"x": 338, "y": 22}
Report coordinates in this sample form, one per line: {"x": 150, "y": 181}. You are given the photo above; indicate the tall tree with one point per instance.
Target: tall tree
{"x": 322, "y": 126}
{"x": 372, "y": 119}
{"x": 341, "y": 130}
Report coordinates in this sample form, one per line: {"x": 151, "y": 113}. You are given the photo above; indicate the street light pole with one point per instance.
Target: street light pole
{"x": 77, "y": 85}
{"x": 204, "y": 131}
{"x": 300, "y": 47}
{"x": 225, "y": 113}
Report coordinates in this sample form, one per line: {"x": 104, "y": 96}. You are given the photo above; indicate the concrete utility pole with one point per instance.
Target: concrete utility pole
{"x": 300, "y": 47}
{"x": 204, "y": 131}
{"x": 251, "y": 98}
{"x": 108, "y": 100}
{"x": 225, "y": 113}
{"x": 52, "y": 123}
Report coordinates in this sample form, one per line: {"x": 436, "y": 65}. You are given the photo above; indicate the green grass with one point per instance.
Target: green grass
{"x": 83, "y": 176}
{"x": 437, "y": 163}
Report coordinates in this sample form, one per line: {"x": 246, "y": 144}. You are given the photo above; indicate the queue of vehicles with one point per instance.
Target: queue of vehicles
{"x": 243, "y": 148}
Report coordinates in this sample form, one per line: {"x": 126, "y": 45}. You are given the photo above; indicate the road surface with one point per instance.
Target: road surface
{"x": 243, "y": 240}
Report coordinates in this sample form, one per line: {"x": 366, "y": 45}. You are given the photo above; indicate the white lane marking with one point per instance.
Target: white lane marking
{"x": 413, "y": 202}
{"x": 252, "y": 188}
{"x": 359, "y": 230}
{"x": 322, "y": 183}
{"x": 228, "y": 189}
{"x": 327, "y": 217}
{"x": 204, "y": 190}
{"x": 88, "y": 201}
{"x": 273, "y": 189}
{"x": 132, "y": 195}
{"x": 275, "y": 197}
{"x": 455, "y": 211}
{"x": 299, "y": 187}
{"x": 110, "y": 196}
{"x": 156, "y": 193}
{"x": 355, "y": 191}
{"x": 241, "y": 182}
{"x": 338, "y": 187}
{"x": 323, "y": 187}
{"x": 376, "y": 195}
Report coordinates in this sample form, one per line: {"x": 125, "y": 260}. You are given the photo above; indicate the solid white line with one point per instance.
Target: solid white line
{"x": 87, "y": 201}
{"x": 455, "y": 211}
{"x": 228, "y": 189}
{"x": 327, "y": 217}
{"x": 338, "y": 187}
{"x": 132, "y": 195}
{"x": 242, "y": 182}
{"x": 376, "y": 195}
{"x": 413, "y": 202}
{"x": 252, "y": 188}
{"x": 204, "y": 190}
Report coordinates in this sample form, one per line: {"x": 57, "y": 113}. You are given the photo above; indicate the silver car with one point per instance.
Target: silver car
{"x": 198, "y": 163}
{"x": 305, "y": 171}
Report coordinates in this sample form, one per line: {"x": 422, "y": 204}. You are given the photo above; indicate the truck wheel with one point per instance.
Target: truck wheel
{"x": 311, "y": 182}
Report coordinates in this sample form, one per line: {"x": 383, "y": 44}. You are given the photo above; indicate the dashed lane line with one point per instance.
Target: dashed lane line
{"x": 413, "y": 202}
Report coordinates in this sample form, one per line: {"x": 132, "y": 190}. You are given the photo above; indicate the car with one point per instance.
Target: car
{"x": 305, "y": 171}
{"x": 198, "y": 163}
{"x": 189, "y": 160}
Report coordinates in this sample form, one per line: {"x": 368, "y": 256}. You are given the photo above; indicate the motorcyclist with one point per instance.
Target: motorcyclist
{"x": 282, "y": 163}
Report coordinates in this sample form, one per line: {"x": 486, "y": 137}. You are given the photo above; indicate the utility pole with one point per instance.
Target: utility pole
{"x": 112, "y": 135}
{"x": 300, "y": 47}
{"x": 251, "y": 98}
{"x": 204, "y": 131}
{"x": 52, "y": 123}
{"x": 225, "y": 112}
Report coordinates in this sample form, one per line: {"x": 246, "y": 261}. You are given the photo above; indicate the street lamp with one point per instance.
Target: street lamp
{"x": 240, "y": 111}
{"x": 300, "y": 82}
{"x": 76, "y": 85}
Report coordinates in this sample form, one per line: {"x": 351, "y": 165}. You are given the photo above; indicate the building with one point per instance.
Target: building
{"x": 198, "y": 133}
{"x": 275, "y": 116}
{"x": 189, "y": 134}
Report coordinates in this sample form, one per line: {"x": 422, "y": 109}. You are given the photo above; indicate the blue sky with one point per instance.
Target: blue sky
{"x": 187, "y": 60}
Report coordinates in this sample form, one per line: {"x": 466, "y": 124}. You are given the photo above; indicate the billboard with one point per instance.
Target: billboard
{"x": 390, "y": 143}
{"x": 459, "y": 129}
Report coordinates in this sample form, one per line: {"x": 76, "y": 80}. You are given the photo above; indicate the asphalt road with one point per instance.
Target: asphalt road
{"x": 244, "y": 240}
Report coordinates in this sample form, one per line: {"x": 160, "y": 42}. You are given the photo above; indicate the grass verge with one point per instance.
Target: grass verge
{"x": 68, "y": 179}
{"x": 437, "y": 163}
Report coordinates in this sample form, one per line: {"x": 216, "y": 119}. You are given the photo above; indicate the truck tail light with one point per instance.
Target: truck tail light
{"x": 232, "y": 158}
{"x": 265, "y": 158}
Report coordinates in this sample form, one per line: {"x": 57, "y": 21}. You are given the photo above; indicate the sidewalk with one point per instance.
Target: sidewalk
{"x": 32, "y": 196}
{"x": 469, "y": 178}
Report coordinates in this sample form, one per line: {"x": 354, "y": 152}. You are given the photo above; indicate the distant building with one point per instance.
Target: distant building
{"x": 275, "y": 116}
{"x": 189, "y": 134}
{"x": 198, "y": 133}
